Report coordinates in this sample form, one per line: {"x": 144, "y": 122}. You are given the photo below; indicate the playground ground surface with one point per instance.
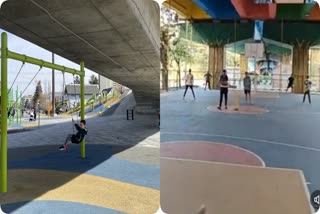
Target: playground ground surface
{"x": 119, "y": 175}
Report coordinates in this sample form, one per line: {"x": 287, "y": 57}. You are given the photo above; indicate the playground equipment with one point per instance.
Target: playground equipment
{"x": 14, "y": 107}
{"x": 5, "y": 55}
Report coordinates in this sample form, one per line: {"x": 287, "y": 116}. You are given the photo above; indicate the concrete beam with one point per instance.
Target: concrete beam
{"x": 117, "y": 39}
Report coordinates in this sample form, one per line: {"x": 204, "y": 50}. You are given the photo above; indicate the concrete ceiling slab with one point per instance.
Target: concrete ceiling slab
{"x": 117, "y": 39}
{"x": 57, "y": 5}
{"x": 37, "y": 24}
{"x": 92, "y": 23}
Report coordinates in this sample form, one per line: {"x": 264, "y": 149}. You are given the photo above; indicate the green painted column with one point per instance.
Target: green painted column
{"x": 83, "y": 143}
{"x": 4, "y": 115}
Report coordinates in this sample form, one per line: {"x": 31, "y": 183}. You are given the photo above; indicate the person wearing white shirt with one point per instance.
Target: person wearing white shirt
{"x": 189, "y": 84}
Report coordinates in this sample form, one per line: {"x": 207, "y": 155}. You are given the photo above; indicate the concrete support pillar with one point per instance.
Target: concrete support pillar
{"x": 216, "y": 59}
{"x": 300, "y": 65}
{"x": 243, "y": 65}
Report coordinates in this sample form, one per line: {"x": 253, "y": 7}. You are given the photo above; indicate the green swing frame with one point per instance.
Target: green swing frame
{"x": 5, "y": 55}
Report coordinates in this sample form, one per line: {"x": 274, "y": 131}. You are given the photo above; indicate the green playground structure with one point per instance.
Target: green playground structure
{"x": 14, "y": 107}
{"x": 93, "y": 102}
{"x": 6, "y": 98}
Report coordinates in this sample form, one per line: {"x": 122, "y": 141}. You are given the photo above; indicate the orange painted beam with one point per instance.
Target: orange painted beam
{"x": 187, "y": 9}
{"x": 314, "y": 14}
{"x": 248, "y": 9}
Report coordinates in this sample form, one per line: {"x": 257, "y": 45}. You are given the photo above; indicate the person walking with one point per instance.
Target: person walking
{"x": 247, "y": 86}
{"x": 207, "y": 79}
{"x": 307, "y": 88}
{"x": 290, "y": 82}
{"x": 189, "y": 84}
{"x": 224, "y": 89}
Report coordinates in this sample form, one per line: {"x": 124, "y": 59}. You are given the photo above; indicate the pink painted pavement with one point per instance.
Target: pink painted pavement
{"x": 242, "y": 109}
{"x": 209, "y": 151}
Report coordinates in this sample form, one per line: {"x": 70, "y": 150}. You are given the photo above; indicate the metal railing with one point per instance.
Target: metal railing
{"x": 274, "y": 82}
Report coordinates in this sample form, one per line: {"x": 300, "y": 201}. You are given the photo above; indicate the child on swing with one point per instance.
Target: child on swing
{"x": 78, "y": 137}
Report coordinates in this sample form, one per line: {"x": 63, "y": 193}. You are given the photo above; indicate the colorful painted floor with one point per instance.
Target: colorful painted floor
{"x": 284, "y": 134}
{"x": 120, "y": 174}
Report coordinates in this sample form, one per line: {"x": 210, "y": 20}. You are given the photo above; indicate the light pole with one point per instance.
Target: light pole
{"x": 39, "y": 113}
{"x": 53, "y": 90}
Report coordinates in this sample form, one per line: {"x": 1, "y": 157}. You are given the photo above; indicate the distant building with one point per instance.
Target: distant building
{"x": 27, "y": 97}
{"x": 24, "y": 100}
{"x": 72, "y": 93}
{"x": 58, "y": 96}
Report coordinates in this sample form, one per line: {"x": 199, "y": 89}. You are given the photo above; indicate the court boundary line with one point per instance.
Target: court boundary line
{"x": 263, "y": 164}
{"x": 244, "y": 138}
{"x": 233, "y": 164}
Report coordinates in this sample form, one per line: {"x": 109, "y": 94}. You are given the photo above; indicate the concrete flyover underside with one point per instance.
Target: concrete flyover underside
{"x": 117, "y": 39}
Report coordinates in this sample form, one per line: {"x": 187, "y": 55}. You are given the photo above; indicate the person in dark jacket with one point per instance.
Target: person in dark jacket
{"x": 290, "y": 82}
{"x": 224, "y": 89}
{"x": 77, "y": 138}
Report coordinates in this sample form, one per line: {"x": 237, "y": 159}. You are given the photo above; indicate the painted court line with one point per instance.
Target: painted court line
{"x": 295, "y": 112}
{"x": 244, "y": 138}
{"x": 228, "y": 145}
{"x": 305, "y": 184}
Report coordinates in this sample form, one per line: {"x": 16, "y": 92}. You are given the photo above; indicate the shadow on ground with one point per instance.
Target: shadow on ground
{"x": 96, "y": 163}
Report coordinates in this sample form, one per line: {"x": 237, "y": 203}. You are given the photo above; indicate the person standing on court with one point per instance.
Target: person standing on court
{"x": 247, "y": 86}
{"x": 224, "y": 89}
{"x": 189, "y": 84}
{"x": 208, "y": 77}
{"x": 290, "y": 82}
{"x": 307, "y": 88}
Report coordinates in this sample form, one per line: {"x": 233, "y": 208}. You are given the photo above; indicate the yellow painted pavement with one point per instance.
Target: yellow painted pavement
{"x": 35, "y": 184}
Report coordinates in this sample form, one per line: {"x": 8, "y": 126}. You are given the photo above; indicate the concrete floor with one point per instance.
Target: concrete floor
{"x": 286, "y": 137}
{"x": 187, "y": 185}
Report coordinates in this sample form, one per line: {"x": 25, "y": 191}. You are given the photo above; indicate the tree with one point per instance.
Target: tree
{"x": 43, "y": 101}
{"x": 93, "y": 80}
{"x": 76, "y": 80}
{"x": 179, "y": 53}
{"x": 168, "y": 29}
{"x": 37, "y": 94}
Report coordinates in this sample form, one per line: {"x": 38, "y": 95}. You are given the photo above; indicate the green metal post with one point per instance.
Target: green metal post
{"x": 4, "y": 114}
{"x": 21, "y": 106}
{"x": 38, "y": 113}
{"x": 83, "y": 143}
{"x": 17, "y": 104}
